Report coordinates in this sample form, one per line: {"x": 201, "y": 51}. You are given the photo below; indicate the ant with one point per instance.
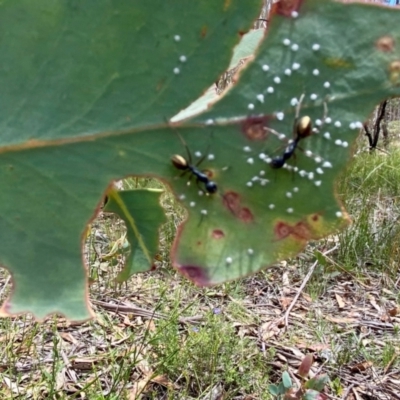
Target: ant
{"x": 185, "y": 165}
{"x": 302, "y": 128}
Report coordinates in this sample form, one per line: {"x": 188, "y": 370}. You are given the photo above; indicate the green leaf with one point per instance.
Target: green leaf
{"x": 320, "y": 258}
{"x": 317, "y": 383}
{"x": 87, "y": 88}
{"x": 245, "y": 49}
{"x": 286, "y": 380}
{"x": 83, "y": 83}
{"x": 143, "y": 215}
{"x": 314, "y": 395}
{"x": 274, "y": 390}
{"x": 275, "y": 212}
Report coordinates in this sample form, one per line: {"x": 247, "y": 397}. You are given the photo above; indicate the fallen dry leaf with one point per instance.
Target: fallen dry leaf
{"x": 84, "y": 363}
{"x": 341, "y": 320}
{"x": 285, "y": 302}
{"x": 361, "y": 367}
{"x": 68, "y": 337}
{"x": 162, "y": 380}
{"x": 268, "y": 330}
{"x": 394, "y": 311}
{"x": 340, "y": 301}
{"x": 313, "y": 347}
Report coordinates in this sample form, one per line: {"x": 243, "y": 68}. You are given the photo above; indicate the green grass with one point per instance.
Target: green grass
{"x": 236, "y": 347}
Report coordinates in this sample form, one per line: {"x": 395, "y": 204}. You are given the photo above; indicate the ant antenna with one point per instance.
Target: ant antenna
{"x": 185, "y": 146}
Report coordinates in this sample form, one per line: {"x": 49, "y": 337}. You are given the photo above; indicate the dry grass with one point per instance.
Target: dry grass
{"x": 159, "y": 337}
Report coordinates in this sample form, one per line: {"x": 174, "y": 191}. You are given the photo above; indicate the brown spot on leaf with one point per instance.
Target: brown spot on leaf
{"x": 232, "y": 202}
{"x": 196, "y": 274}
{"x": 218, "y": 234}
{"x": 245, "y": 215}
{"x": 282, "y": 230}
{"x": 338, "y": 63}
{"x": 160, "y": 85}
{"x": 385, "y": 44}
{"x": 203, "y": 32}
{"x": 300, "y": 231}
{"x": 208, "y": 172}
{"x": 315, "y": 217}
{"x": 254, "y": 128}
{"x": 286, "y": 7}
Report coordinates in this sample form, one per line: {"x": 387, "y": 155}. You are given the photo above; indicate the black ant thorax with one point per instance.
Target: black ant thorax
{"x": 182, "y": 164}
{"x": 302, "y": 128}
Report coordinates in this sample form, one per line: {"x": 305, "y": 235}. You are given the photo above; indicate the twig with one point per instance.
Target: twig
{"x": 142, "y": 312}
{"x": 303, "y": 284}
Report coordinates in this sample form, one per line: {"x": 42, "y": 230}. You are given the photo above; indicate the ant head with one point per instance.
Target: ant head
{"x": 304, "y": 127}
{"x": 179, "y": 161}
{"x": 211, "y": 187}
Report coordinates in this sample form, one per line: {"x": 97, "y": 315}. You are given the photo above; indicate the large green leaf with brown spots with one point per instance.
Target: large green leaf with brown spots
{"x": 87, "y": 88}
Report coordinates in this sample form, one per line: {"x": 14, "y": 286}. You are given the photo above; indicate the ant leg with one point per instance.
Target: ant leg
{"x": 200, "y": 188}
{"x": 297, "y": 115}
{"x": 298, "y": 107}
{"x": 204, "y": 156}
{"x": 325, "y": 112}
{"x": 185, "y": 146}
